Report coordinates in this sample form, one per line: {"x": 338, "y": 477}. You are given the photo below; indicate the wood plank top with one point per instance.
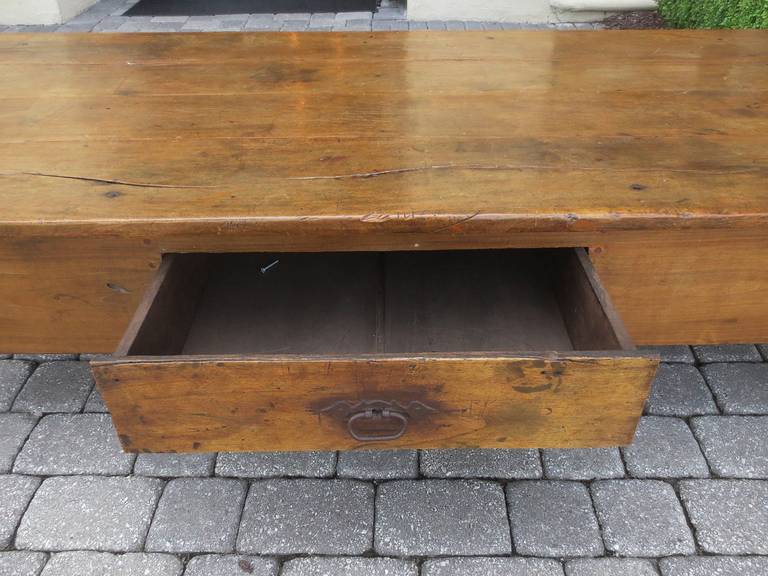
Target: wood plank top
{"x": 355, "y": 133}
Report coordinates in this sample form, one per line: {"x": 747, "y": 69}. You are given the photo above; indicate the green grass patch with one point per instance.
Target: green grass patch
{"x": 715, "y": 13}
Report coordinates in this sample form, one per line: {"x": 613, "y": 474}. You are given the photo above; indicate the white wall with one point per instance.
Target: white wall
{"x": 498, "y": 10}
{"x": 534, "y": 11}
{"x": 41, "y": 11}
{"x": 71, "y": 8}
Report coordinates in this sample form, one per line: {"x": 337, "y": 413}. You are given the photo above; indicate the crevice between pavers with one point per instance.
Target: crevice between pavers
{"x": 165, "y": 482}
{"x": 24, "y": 443}
{"x": 249, "y": 485}
{"x": 689, "y": 422}
{"x": 720, "y": 408}
{"x": 24, "y": 513}
{"x": 35, "y": 365}
{"x": 675, "y": 484}
{"x": 512, "y": 544}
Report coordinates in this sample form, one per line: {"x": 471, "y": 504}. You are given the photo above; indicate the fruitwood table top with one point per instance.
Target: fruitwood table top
{"x": 517, "y": 131}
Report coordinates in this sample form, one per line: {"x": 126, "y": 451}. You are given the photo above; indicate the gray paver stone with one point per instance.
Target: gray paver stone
{"x": 91, "y": 356}
{"x": 230, "y": 565}
{"x": 13, "y": 374}
{"x": 730, "y": 516}
{"x": 664, "y": 448}
{"x": 84, "y": 563}
{"x": 321, "y": 22}
{"x": 680, "y": 390}
{"x": 22, "y": 563}
{"x": 262, "y": 25}
{"x": 14, "y": 429}
{"x": 349, "y": 567}
{"x": 553, "y": 518}
{"x": 378, "y": 464}
{"x": 740, "y": 388}
{"x": 181, "y": 19}
{"x": 353, "y": 15}
{"x": 610, "y": 567}
{"x": 307, "y": 516}
{"x": 76, "y": 27}
{"x": 89, "y": 513}
{"x": 491, "y": 567}
{"x": 15, "y": 494}
{"x": 735, "y": 446}
{"x": 672, "y": 354}
{"x": 170, "y": 465}
{"x": 441, "y": 517}
{"x": 641, "y": 518}
{"x": 56, "y": 387}
{"x": 293, "y": 16}
{"x": 582, "y": 463}
{"x": 294, "y": 26}
{"x": 95, "y": 403}
{"x": 45, "y": 357}
{"x": 711, "y": 566}
{"x": 481, "y": 463}
{"x": 197, "y": 515}
{"x": 276, "y": 464}
{"x": 74, "y": 444}
{"x": 727, "y": 353}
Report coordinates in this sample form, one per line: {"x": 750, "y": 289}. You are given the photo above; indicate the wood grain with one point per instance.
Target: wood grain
{"x": 687, "y": 46}
{"x": 473, "y": 301}
{"x": 359, "y": 302}
{"x": 167, "y": 309}
{"x": 693, "y": 287}
{"x": 304, "y": 304}
{"x": 282, "y": 403}
{"x": 590, "y": 317}
{"x": 518, "y": 131}
{"x": 71, "y": 295}
{"x": 120, "y": 147}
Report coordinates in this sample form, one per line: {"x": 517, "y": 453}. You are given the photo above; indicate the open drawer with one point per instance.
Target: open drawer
{"x": 501, "y": 348}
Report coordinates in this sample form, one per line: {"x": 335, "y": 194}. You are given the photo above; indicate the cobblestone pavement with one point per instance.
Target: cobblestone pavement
{"x": 688, "y": 498}
{"x": 107, "y": 16}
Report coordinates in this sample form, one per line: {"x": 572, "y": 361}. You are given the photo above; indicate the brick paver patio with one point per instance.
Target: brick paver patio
{"x": 107, "y": 16}
{"x": 688, "y": 498}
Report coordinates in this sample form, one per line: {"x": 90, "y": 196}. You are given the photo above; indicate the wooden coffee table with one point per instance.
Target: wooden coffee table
{"x": 357, "y": 240}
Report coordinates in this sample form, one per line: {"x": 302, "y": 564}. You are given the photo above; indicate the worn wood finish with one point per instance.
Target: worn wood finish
{"x": 472, "y": 301}
{"x": 289, "y": 404}
{"x": 303, "y": 304}
{"x": 590, "y": 318}
{"x": 688, "y": 287}
{"x": 71, "y": 294}
{"x": 386, "y": 141}
{"x": 164, "y": 315}
{"x": 684, "y": 46}
{"x": 357, "y": 303}
{"x": 271, "y": 351}
{"x": 511, "y": 151}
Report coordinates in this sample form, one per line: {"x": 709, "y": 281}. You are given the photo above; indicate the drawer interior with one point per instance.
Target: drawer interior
{"x": 374, "y": 303}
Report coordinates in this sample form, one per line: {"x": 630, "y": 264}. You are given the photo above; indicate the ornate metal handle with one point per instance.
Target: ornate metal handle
{"x": 376, "y": 414}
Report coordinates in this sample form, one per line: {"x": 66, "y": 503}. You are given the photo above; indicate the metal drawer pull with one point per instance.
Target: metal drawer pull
{"x": 355, "y": 414}
{"x": 377, "y": 414}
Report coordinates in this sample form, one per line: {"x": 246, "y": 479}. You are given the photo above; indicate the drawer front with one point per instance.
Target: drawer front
{"x": 282, "y": 403}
